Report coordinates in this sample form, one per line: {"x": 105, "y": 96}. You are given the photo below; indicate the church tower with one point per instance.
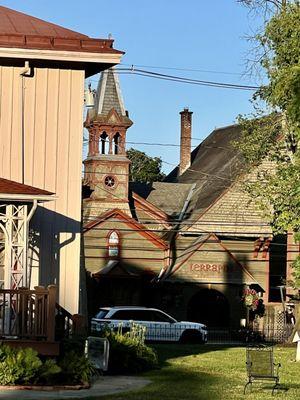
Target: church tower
{"x": 106, "y": 168}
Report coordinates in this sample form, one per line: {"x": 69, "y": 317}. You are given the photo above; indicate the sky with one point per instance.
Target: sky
{"x": 197, "y": 39}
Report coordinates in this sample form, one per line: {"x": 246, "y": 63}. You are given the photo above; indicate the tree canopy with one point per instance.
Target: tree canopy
{"x": 274, "y": 132}
{"x": 144, "y": 168}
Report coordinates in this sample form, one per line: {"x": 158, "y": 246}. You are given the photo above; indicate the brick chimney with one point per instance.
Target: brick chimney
{"x": 185, "y": 140}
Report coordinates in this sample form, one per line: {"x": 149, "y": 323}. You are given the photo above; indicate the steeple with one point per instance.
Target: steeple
{"x": 109, "y": 94}
{"x": 107, "y": 167}
{"x": 108, "y": 121}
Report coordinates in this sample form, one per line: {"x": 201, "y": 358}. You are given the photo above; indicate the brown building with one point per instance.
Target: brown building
{"x": 189, "y": 245}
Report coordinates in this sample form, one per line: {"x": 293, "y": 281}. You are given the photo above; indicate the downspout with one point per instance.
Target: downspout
{"x": 29, "y": 216}
{"x": 166, "y": 270}
{"x": 25, "y": 71}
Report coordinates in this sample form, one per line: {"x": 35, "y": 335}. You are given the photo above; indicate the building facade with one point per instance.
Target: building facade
{"x": 189, "y": 245}
{"x": 42, "y": 71}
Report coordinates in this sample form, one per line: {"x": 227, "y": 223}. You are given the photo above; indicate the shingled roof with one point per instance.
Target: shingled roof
{"x": 108, "y": 99}
{"x": 169, "y": 197}
{"x": 24, "y": 31}
{"x": 215, "y": 165}
{"x": 8, "y": 187}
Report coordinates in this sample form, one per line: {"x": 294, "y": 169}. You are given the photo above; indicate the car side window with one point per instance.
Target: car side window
{"x": 122, "y": 315}
{"x": 160, "y": 317}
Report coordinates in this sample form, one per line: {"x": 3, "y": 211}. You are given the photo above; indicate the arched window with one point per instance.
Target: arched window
{"x": 116, "y": 149}
{"x": 103, "y": 143}
{"x": 113, "y": 244}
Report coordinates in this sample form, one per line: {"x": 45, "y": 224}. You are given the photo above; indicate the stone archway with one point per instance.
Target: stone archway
{"x": 209, "y": 307}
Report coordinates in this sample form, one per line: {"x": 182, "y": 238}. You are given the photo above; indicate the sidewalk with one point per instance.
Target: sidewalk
{"x": 104, "y": 385}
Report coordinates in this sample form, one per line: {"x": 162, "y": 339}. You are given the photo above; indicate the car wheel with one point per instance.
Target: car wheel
{"x": 190, "y": 336}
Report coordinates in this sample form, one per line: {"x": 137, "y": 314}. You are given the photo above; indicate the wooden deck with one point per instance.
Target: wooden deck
{"x": 27, "y": 319}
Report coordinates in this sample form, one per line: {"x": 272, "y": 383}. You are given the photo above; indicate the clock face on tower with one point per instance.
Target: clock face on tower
{"x": 109, "y": 181}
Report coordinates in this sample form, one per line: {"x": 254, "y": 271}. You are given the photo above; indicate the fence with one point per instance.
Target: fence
{"x": 28, "y": 314}
{"x": 267, "y": 334}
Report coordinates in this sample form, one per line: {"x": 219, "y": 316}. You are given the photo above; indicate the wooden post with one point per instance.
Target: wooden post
{"x": 51, "y": 313}
{"x": 79, "y": 326}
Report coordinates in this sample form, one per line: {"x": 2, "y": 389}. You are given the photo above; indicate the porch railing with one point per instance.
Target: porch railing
{"x": 28, "y": 314}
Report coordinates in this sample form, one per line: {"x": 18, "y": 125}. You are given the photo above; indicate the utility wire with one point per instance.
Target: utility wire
{"x": 182, "y": 69}
{"x": 182, "y": 79}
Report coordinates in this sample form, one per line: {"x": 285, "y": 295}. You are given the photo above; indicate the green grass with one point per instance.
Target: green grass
{"x": 211, "y": 372}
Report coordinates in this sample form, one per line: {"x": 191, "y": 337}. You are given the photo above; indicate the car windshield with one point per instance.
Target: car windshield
{"x": 101, "y": 314}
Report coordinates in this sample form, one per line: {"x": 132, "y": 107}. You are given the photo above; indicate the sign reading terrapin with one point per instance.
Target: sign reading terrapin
{"x": 218, "y": 268}
{"x": 97, "y": 351}
{"x": 212, "y": 263}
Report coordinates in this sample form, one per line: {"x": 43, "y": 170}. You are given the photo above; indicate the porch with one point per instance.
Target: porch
{"x": 27, "y": 319}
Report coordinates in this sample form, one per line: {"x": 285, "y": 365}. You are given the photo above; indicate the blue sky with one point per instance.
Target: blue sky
{"x": 190, "y": 35}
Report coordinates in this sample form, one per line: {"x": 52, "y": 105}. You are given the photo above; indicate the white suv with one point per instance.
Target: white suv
{"x": 160, "y": 326}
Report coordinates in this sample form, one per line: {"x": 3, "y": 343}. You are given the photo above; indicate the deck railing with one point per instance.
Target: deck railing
{"x": 28, "y": 314}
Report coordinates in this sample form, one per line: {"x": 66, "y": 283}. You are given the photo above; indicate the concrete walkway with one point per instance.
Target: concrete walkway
{"x": 104, "y": 385}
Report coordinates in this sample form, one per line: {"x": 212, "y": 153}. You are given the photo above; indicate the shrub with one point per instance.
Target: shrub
{"x": 23, "y": 366}
{"x": 128, "y": 352}
{"x": 76, "y": 368}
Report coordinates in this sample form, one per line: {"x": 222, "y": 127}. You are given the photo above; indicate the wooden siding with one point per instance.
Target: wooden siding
{"x": 135, "y": 250}
{"x": 53, "y": 119}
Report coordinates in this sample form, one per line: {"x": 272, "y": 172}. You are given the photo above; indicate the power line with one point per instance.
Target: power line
{"x": 181, "y": 79}
{"x": 183, "y": 69}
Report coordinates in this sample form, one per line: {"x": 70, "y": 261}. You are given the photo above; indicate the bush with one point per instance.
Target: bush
{"x": 76, "y": 368}
{"x": 127, "y": 354}
{"x": 23, "y": 366}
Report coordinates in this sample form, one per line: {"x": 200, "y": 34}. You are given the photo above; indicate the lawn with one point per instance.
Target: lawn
{"x": 195, "y": 372}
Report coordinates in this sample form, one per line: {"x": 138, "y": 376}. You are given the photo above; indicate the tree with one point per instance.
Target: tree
{"x": 144, "y": 168}
{"x": 275, "y": 135}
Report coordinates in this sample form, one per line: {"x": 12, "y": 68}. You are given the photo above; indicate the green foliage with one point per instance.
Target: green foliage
{"x": 76, "y": 368}
{"x": 48, "y": 371}
{"x": 128, "y": 352}
{"x": 277, "y": 137}
{"x": 144, "y": 168}
{"x": 23, "y": 366}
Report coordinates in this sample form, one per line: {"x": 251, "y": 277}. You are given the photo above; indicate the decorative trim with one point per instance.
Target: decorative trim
{"x": 61, "y": 55}
{"x": 217, "y": 240}
{"x": 139, "y": 228}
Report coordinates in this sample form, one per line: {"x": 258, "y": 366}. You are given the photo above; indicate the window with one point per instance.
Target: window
{"x": 109, "y": 181}
{"x": 104, "y": 143}
{"x": 101, "y": 314}
{"x": 116, "y": 148}
{"x": 113, "y": 244}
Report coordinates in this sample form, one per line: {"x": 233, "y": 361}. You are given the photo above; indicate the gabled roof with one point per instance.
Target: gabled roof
{"x": 168, "y": 197}
{"x": 14, "y": 190}
{"x": 24, "y": 31}
{"x": 121, "y": 216}
{"x": 215, "y": 165}
{"x": 147, "y": 212}
{"x": 199, "y": 242}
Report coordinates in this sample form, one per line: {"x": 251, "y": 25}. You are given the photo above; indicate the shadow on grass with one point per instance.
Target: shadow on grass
{"x": 167, "y": 351}
{"x": 175, "y": 383}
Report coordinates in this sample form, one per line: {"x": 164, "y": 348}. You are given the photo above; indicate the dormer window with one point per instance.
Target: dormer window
{"x": 113, "y": 244}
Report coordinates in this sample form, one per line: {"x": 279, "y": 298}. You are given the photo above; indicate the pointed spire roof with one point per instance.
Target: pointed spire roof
{"x": 109, "y": 94}
{"x": 109, "y": 106}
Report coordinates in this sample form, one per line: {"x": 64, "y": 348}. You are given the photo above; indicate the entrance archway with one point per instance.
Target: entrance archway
{"x": 209, "y": 307}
